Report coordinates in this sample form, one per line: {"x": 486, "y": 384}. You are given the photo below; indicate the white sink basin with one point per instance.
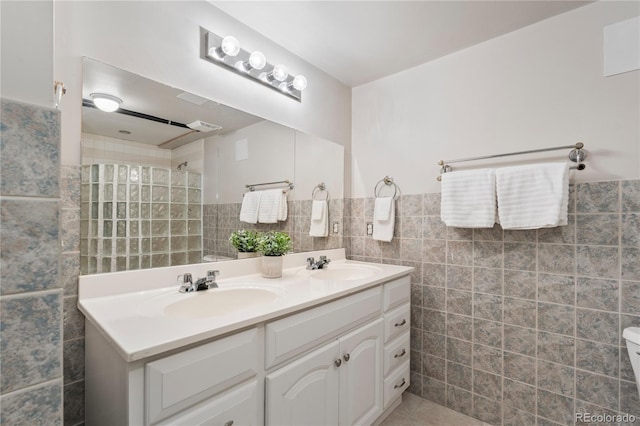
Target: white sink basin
{"x": 211, "y": 303}
{"x": 345, "y": 272}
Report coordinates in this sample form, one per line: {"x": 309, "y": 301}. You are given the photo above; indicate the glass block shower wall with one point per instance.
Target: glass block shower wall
{"x": 136, "y": 217}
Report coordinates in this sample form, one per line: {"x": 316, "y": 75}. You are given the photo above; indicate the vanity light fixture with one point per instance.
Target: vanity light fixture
{"x": 278, "y": 73}
{"x": 299, "y": 82}
{"x": 256, "y": 61}
{"x": 226, "y": 52}
{"x": 229, "y": 46}
{"x": 105, "y": 102}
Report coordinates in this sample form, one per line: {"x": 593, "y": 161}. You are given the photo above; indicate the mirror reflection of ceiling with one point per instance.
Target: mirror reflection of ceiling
{"x": 146, "y": 96}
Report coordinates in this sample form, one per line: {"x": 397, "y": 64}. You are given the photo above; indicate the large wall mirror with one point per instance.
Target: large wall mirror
{"x": 163, "y": 176}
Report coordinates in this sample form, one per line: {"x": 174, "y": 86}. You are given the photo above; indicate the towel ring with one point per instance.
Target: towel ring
{"x": 387, "y": 181}
{"x": 319, "y": 188}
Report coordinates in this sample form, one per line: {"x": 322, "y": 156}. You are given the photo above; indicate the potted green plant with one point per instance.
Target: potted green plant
{"x": 273, "y": 245}
{"x": 246, "y": 242}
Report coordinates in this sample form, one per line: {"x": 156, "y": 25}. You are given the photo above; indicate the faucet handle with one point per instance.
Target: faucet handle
{"x": 185, "y": 278}
{"x": 186, "y": 283}
{"x": 211, "y": 278}
{"x": 310, "y": 261}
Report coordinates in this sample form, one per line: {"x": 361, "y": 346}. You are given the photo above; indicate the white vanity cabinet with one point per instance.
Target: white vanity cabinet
{"x": 397, "y": 326}
{"x": 219, "y": 382}
{"x": 237, "y": 406}
{"x": 352, "y": 378}
{"x": 341, "y": 362}
{"x": 178, "y": 382}
{"x": 338, "y": 384}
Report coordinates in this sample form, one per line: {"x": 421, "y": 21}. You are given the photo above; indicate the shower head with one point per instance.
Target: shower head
{"x": 202, "y": 126}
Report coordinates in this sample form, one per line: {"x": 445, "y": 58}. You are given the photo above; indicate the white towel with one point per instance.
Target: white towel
{"x": 250, "y": 206}
{"x": 283, "y": 209}
{"x": 533, "y": 196}
{"x": 382, "y": 208}
{"x": 318, "y": 208}
{"x": 319, "y": 219}
{"x": 383, "y": 229}
{"x": 270, "y": 206}
{"x": 468, "y": 198}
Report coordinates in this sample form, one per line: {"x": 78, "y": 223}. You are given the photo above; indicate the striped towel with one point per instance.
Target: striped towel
{"x": 468, "y": 198}
{"x": 533, "y": 196}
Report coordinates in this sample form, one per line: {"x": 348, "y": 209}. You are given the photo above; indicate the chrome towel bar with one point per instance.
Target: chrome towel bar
{"x": 577, "y": 155}
{"x": 289, "y": 184}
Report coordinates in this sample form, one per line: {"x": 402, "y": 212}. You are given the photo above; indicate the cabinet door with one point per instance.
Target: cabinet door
{"x": 237, "y": 406}
{"x": 305, "y": 392}
{"x": 361, "y": 375}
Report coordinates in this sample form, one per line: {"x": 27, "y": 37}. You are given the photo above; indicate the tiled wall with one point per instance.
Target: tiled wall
{"x": 98, "y": 149}
{"x": 519, "y": 327}
{"x": 137, "y": 217}
{"x": 73, "y": 345}
{"x": 509, "y": 326}
{"x": 220, "y": 221}
{"x": 31, "y": 297}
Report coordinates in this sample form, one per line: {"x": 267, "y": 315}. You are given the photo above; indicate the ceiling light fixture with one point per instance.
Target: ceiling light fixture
{"x": 104, "y": 102}
{"x": 226, "y": 52}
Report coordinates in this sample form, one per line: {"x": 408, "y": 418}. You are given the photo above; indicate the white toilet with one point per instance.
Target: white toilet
{"x": 632, "y": 335}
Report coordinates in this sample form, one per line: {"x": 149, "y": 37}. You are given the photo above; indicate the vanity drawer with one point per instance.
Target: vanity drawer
{"x": 396, "y": 322}
{"x": 397, "y": 292}
{"x": 396, "y": 352}
{"x": 181, "y": 380}
{"x": 237, "y": 406}
{"x": 298, "y": 333}
{"x": 396, "y": 383}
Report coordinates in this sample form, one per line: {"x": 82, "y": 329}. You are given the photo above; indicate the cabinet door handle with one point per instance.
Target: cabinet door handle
{"x": 338, "y": 362}
{"x": 346, "y": 357}
{"x": 229, "y": 423}
{"x": 401, "y": 323}
{"x": 401, "y": 354}
{"x": 401, "y": 384}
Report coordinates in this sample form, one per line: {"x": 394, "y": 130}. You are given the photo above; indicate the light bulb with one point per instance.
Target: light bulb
{"x": 230, "y": 46}
{"x": 257, "y": 60}
{"x": 299, "y": 82}
{"x": 279, "y": 73}
{"x": 104, "y": 102}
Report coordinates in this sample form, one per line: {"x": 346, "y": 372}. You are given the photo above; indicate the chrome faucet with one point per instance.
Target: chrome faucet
{"x": 320, "y": 264}
{"x": 187, "y": 285}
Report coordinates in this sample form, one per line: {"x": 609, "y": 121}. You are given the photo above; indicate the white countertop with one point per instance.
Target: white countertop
{"x": 127, "y": 307}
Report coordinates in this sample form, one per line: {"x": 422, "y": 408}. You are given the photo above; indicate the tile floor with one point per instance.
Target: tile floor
{"x": 415, "y": 411}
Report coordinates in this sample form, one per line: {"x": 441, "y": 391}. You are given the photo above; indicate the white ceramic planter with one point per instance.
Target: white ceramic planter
{"x": 248, "y": 254}
{"x": 272, "y": 266}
